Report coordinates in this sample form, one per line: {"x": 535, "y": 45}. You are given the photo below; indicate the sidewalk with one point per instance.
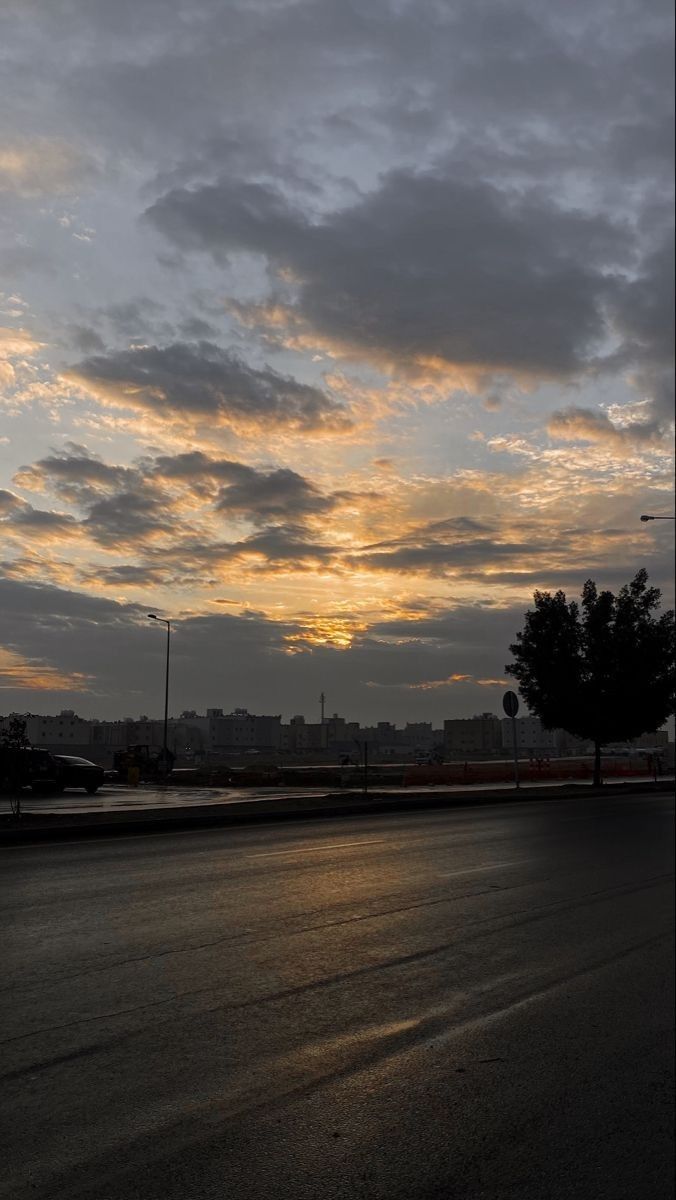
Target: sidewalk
{"x": 173, "y": 813}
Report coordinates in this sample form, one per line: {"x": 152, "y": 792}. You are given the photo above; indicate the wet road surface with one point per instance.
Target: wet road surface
{"x": 452, "y": 1004}
{"x": 118, "y": 798}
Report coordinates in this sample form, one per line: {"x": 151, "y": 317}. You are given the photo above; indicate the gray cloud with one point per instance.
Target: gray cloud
{"x": 75, "y": 474}
{"x": 458, "y": 527}
{"x": 119, "y": 501}
{"x": 438, "y": 558}
{"x": 16, "y": 513}
{"x": 125, "y": 575}
{"x": 118, "y": 520}
{"x": 427, "y": 266}
{"x": 38, "y": 520}
{"x": 40, "y": 166}
{"x": 195, "y": 465}
{"x": 575, "y": 424}
{"x": 9, "y": 503}
{"x": 232, "y": 83}
{"x": 286, "y": 545}
{"x": 643, "y": 313}
{"x": 85, "y": 339}
{"x": 278, "y": 547}
{"x": 202, "y": 380}
{"x": 273, "y": 495}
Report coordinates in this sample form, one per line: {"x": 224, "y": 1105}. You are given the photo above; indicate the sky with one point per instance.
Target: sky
{"x": 329, "y": 330}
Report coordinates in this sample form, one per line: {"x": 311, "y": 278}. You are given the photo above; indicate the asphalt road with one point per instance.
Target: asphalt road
{"x": 458, "y": 1004}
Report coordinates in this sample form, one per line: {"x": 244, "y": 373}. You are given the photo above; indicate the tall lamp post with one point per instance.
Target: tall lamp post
{"x": 658, "y": 517}
{"x": 165, "y": 752}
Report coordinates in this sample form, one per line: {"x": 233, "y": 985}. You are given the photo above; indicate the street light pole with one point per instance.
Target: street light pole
{"x": 165, "y": 751}
{"x": 658, "y": 517}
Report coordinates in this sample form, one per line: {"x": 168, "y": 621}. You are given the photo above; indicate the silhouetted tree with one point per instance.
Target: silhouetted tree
{"x": 14, "y": 736}
{"x": 602, "y": 670}
{"x": 13, "y": 739}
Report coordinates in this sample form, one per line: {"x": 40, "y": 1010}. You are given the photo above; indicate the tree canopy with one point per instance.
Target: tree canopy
{"x": 602, "y": 669}
{"x": 13, "y": 736}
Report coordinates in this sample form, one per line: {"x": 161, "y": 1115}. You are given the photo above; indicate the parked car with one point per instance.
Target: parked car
{"x": 78, "y": 773}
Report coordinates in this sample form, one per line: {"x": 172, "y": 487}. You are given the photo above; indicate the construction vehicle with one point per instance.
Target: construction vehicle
{"x": 144, "y": 764}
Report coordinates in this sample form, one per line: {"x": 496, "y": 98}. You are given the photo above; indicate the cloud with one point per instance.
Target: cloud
{"x": 17, "y": 341}
{"x": 190, "y": 520}
{"x": 431, "y": 685}
{"x": 492, "y": 402}
{"x": 15, "y": 345}
{"x": 75, "y": 473}
{"x": 643, "y": 315}
{"x": 449, "y": 558}
{"x": 119, "y": 502}
{"x": 9, "y": 503}
{"x": 275, "y": 549}
{"x": 282, "y": 493}
{"x": 119, "y": 505}
{"x": 575, "y": 424}
{"x": 42, "y": 166}
{"x": 457, "y": 527}
{"x": 120, "y": 520}
{"x": 427, "y": 269}
{"x": 39, "y": 522}
{"x": 201, "y": 381}
{"x": 125, "y": 575}
{"x": 20, "y": 674}
{"x": 21, "y": 520}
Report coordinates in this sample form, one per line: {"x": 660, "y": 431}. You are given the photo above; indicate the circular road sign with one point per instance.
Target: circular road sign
{"x": 510, "y": 703}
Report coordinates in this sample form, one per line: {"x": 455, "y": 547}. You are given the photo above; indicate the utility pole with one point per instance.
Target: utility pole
{"x": 510, "y": 703}
{"x": 322, "y": 701}
{"x": 165, "y": 748}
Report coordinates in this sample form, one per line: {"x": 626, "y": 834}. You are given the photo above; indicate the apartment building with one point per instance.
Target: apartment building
{"x": 481, "y": 734}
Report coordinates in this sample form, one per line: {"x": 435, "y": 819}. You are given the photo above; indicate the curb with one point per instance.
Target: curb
{"x": 333, "y": 804}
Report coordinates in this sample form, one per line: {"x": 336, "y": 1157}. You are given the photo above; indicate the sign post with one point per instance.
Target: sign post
{"x": 510, "y": 703}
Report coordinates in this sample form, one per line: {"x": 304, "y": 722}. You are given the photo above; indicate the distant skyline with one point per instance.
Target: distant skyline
{"x": 331, "y": 331}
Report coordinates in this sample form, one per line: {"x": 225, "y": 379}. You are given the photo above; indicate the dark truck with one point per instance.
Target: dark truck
{"x": 35, "y": 768}
{"x": 28, "y": 767}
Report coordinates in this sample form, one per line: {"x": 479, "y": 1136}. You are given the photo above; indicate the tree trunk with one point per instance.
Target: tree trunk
{"x": 597, "y": 765}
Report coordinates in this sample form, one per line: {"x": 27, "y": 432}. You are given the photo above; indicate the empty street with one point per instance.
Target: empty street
{"x": 470, "y": 1003}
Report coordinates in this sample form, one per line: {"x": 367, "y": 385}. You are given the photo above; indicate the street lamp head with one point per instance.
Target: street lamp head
{"x": 162, "y": 620}
{"x": 646, "y": 518}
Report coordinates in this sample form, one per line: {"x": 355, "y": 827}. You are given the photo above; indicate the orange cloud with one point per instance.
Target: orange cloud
{"x": 15, "y": 344}
{"x": 430, "y": 684}
{"x": 338, "y": 632}
{"x": 18, "y": 673}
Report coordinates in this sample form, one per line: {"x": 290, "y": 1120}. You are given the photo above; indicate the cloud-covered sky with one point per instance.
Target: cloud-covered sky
{"x": 330, "y": 329}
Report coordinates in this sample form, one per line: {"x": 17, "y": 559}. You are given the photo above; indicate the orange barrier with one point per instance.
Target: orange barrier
{"x": 530, "y": 771}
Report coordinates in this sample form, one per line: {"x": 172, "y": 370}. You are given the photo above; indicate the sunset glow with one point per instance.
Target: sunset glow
{"x": 335, "y": 364}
